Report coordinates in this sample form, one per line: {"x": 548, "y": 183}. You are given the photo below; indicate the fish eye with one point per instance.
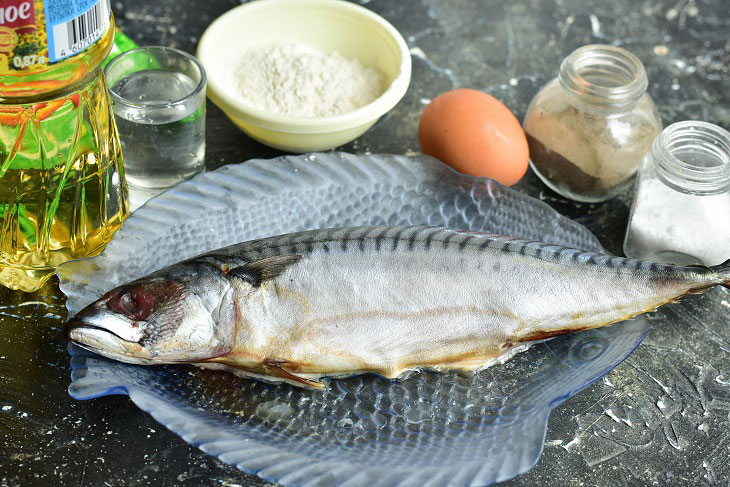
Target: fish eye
{"x": 136, "y": 303}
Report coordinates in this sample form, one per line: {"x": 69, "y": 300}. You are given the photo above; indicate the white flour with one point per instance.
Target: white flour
{"x": 295, "y": 79}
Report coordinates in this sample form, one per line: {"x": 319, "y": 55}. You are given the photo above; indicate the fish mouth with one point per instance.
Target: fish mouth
{"x": 76, "y": 332}
{"x": 108, "y": 335}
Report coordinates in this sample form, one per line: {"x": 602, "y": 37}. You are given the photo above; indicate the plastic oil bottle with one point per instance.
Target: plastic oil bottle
{"x": 62, "y": 187}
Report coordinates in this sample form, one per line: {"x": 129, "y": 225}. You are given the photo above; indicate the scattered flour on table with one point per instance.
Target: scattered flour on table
{"x": 295, "y": 79}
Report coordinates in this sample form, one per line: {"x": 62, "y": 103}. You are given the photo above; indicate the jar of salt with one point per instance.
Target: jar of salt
{"x": 681, "y": 212}
{"x": 589, "y": 128}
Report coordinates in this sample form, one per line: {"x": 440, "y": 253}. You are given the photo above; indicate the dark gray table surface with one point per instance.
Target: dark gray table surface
{"x": 662, "y": 417}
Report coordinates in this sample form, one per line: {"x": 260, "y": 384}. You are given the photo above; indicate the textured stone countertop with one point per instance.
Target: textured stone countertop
{"x": 662, "y": 417}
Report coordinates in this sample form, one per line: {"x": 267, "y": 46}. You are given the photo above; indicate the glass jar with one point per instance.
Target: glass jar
{"x": 589, "y": 128}
{"x": 681, "y": 212}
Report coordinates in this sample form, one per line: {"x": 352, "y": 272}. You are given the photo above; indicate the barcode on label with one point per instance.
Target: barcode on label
{"x": 75, "y": 35}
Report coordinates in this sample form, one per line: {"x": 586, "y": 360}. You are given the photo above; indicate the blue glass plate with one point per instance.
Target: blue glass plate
{"x": 430, "y": 429}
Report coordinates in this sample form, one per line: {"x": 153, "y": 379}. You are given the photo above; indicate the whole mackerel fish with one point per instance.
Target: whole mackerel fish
{"x": 386, "y": 300}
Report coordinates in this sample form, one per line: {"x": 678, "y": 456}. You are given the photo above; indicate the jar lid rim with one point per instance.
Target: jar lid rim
{"x": 703, "y": 139}
{"x": 580, "y": 69}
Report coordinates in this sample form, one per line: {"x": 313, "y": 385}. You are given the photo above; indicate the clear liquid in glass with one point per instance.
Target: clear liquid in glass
{"x": 162, "y": 146}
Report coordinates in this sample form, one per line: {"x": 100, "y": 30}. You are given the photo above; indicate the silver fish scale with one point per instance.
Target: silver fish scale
{"x": 388, "y": 239}
{"x": 430, "y": 429}
{"x": 260, "y": 198}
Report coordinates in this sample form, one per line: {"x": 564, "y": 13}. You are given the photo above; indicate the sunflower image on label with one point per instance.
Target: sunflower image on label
{"x": 22, "y": 42}
{"x": 34, "y": 33}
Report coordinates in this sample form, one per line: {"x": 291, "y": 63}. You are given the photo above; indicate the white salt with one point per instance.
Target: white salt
{"x": 681, "y": 228}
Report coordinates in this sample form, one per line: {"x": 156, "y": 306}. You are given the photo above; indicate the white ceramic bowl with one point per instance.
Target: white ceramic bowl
{"x": 326, "y": 25}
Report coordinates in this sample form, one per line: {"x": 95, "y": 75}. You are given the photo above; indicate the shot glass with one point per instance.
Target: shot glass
{"x": 158, "y": 97}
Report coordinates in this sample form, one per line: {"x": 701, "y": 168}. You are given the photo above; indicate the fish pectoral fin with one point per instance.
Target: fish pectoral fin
{"x": 276, "y": 367}
{"x": 259, "y": 271}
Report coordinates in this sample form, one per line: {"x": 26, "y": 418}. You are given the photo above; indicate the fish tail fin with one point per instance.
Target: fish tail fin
{"x": 724, "y": 271}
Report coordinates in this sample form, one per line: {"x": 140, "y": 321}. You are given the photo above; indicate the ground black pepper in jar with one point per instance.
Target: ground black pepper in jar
{"x": 589, "y": 128}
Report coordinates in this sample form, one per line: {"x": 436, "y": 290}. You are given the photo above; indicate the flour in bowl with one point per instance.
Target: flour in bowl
{"x": 295, "y": 79}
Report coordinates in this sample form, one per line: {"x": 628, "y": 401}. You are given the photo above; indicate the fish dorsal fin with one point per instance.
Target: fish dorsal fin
{"x": 260, "y": 271}
{"x": 276, "y": 368}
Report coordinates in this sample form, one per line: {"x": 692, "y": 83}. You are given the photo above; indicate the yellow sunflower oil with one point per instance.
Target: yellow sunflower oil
{"x": 62, "y": 187}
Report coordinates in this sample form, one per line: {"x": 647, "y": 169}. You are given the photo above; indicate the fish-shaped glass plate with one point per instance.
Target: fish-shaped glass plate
{"x": 433, "y": 429}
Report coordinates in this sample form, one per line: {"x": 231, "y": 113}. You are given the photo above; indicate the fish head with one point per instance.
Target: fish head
{"x": 157, "y": 319}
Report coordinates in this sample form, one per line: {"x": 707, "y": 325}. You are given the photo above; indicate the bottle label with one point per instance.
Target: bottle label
{"x": 21, "y": 45}
{"x": 35, "y": 33}
{"x": 74, "y": 25}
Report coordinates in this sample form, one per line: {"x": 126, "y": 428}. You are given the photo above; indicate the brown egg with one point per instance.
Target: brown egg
{"x": 475, "y": 134}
